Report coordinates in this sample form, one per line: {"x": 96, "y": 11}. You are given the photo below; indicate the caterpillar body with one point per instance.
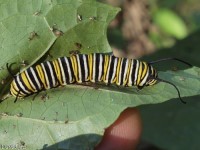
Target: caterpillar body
{"x": 80, "y": 68}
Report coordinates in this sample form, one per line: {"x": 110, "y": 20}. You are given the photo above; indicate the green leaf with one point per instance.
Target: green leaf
{"x": 90, "y": 32}
{"x": 28, "y": 30}
{"x": 19, "y": 19}
{"x": 17, "y": 22}
{"x": 172, "y": 125}
{"x": 71, "y": 117}
{"x": 170, "y": 23}
{"x": 74, "y": 112}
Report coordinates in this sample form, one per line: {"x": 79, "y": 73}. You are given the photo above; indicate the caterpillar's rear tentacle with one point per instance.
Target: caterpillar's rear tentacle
{"x": 8, "y": 68}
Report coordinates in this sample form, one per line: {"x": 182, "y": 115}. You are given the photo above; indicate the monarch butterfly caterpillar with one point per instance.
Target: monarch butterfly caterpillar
{"x": 80, "y": 68}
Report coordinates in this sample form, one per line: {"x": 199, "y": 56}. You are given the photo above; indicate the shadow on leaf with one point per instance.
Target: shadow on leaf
{"x": 77, "y": 142}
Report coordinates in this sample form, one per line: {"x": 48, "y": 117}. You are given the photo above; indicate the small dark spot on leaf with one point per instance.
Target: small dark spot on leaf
{"x": 182, "y": 78}
{"x": 37, "y": 13}
{"x": 49, "y": 55}
{"x": 55, "y": 120}
{"x": 174, "y": 68}
{"x": 74, "y": 52}
{"x": 78, "y": 45}
{"x": 93, "y": 18}
{"x": 19, "y": 115}
{"x": 4, "y": 114}
{"x": 56, "y": 31}
{"x": 79, "y": 17}
{"x": 22, "y": 143}
{"x": 43, "y": 118}
{"x": 44, "y": 97}
{"x": 32, "y": 35}
{"x": 24, "y": 63}
{"x": 14, "y": 126}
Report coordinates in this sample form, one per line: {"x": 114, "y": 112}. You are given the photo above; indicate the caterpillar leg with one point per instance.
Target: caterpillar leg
{"x": 139, "y": 88}
{"x": 17, "y": 97}
{"x": 36, "y": 94}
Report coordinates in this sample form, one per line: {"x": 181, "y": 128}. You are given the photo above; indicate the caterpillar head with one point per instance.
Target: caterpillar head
{"x": 151, "y": 77}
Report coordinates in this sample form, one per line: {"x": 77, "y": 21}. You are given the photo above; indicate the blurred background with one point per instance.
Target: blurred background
{"x": 156, "y": 29}
{"x": 143, "y": 26}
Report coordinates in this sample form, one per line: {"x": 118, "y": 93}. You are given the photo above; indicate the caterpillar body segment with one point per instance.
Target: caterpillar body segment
{"x": 80, "y": 68}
